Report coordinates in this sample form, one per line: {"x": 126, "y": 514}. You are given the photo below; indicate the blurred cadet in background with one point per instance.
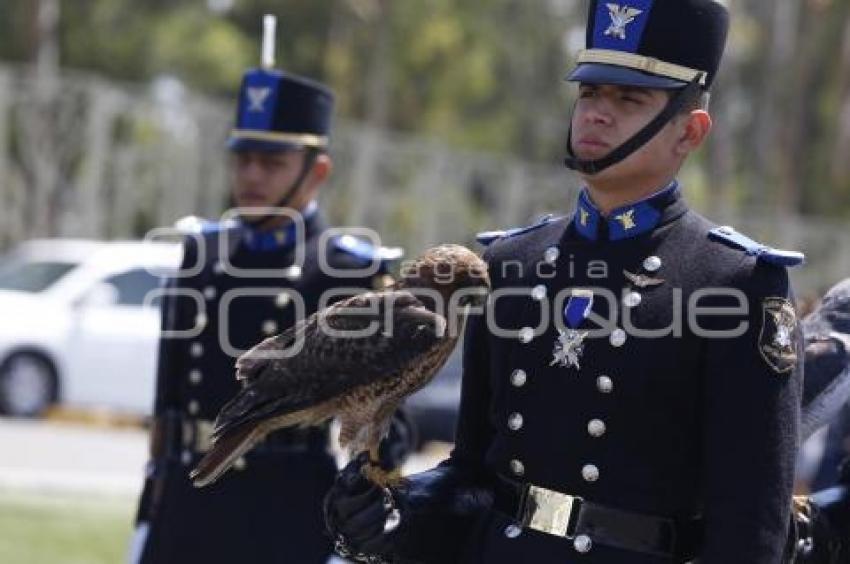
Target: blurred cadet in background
{"x": 823, "y": 518}
{"x": 242, "y": 281}
{"x": 827, "y": 331}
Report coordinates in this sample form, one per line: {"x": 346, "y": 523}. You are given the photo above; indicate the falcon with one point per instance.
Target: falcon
{"x": 356, "y": 361}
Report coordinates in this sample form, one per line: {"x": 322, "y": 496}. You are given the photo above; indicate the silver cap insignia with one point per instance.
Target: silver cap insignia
{"x": 620, "y": 18}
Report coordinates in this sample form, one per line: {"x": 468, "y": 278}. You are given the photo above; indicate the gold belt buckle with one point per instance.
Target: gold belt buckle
{"x": 549, "y": 511}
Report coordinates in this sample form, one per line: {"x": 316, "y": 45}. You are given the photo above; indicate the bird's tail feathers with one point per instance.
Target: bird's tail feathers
{"x": 241, "y": 411}
{"x": 225, "y": 451}
{"x": 230, "y": 444}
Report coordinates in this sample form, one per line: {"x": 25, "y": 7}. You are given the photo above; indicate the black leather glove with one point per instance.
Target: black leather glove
{"x": 426, "y": 519}
{"x": 360, "y": 516}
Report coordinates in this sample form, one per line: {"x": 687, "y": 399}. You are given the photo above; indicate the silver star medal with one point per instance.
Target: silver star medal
{"x": 568, "y": 348}
{"x": 569, "y": 345}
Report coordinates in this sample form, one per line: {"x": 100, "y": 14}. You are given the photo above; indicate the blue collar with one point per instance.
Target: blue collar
{"x": 624, "y": 222}
{"x": 283, "y": 237}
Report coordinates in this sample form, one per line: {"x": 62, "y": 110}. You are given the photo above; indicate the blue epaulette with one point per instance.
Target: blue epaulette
{"x": 764, "y": 253}
{"x": 487, "y": 237}
{"x": 365, "y": 250}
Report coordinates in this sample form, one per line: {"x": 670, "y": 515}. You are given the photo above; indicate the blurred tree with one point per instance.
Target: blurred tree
{"x": 487, "y": 76}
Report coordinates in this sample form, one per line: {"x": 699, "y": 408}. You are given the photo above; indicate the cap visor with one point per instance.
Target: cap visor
{"x": 241, "y": 145}
{"x": 595, "y": 73}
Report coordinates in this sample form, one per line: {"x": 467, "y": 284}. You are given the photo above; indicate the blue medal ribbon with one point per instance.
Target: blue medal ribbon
{"x": 578, "y": 308}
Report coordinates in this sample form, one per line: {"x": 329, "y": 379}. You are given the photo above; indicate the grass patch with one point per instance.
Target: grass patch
{"x": 67, "y": 529}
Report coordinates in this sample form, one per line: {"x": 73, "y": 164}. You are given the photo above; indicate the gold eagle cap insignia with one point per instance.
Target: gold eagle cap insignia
{"x": 620, "y": 18}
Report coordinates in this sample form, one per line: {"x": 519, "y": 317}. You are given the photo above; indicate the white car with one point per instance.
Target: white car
{"x": 76, "y": 327}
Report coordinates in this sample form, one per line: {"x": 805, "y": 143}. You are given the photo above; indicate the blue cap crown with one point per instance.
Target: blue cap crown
{"x": 278, "y": 111}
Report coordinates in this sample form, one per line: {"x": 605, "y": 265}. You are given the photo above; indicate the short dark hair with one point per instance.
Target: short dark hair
{"x": 699, "y": 101}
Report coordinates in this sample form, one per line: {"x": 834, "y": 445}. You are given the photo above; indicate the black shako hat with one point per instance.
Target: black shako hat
{"x": 653, "y": 43}
{"x": 278, "y": 111}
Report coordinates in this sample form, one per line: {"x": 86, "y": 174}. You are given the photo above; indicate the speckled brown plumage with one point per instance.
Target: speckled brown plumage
{"x": 356, "y": 360}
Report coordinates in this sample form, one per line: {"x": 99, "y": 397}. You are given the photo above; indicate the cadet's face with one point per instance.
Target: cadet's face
{"x": 606, "y": 116}
{"x": 262, "y": 179}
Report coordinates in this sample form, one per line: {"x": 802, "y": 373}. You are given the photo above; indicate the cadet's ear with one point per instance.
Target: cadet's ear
{"x": 322, "y": 168}
{"x": 697, "y": 125}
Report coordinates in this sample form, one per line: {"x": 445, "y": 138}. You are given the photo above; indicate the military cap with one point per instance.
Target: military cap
{"x": 279, "y": 111}
{"x": 653, "y": 43}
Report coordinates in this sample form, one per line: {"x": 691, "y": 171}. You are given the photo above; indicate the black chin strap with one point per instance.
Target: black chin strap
{"x": 259, "y": 222}
{"x": 641, "y": 138}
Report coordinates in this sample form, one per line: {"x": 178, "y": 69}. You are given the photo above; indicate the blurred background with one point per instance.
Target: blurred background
{"x": 452, "y": 117}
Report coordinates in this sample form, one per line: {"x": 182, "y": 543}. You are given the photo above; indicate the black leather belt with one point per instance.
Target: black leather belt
{"x": 568, "y": 516}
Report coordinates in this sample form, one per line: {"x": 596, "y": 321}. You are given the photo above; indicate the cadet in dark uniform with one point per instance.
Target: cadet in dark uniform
{"x": 631, "y": 394}
{"x": 242, "y": 281}
{"x": 823, "y": 518}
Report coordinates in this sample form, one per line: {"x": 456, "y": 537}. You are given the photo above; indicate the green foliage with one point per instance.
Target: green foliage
{"x": 487, "y": 75}
{"x": 202, "y": 49}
